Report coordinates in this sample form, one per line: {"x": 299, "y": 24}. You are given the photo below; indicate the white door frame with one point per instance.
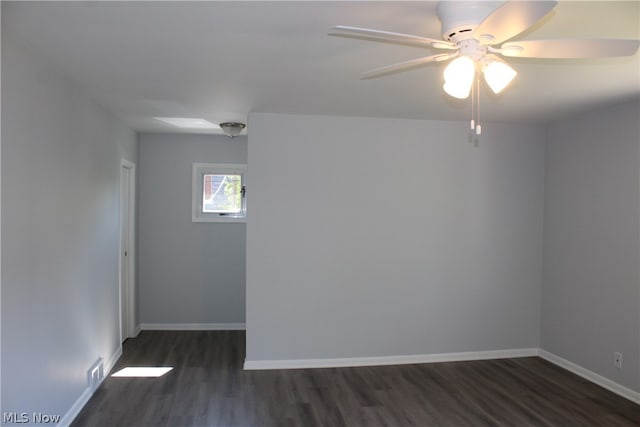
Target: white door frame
{"x": 126, "y": 269}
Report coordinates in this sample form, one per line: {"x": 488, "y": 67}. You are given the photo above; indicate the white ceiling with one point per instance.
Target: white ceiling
{"x": 222, "y": 60}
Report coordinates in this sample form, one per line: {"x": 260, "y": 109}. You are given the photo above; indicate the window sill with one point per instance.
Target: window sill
{"x": 219, "y": 219}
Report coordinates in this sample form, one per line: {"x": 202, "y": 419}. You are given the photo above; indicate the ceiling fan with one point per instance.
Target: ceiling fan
{"x": 477, "y": 33}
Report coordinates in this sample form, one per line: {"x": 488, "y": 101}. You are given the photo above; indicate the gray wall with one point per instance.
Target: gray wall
{"x": 381, "y": 237}
{"x": 189, "y": 272}
{"x": 591, "y": 286}
{"x": 60, "y": 214}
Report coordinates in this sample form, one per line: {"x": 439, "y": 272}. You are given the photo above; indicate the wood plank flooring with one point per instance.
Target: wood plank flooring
{"x": 208, "y": 387}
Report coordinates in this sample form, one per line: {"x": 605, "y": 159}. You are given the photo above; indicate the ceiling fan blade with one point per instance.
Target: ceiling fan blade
{"x": 570, "y": 48}
{"x": 511, "y": 19}
{"x": 406, "y": 65}
{"x": 341, "y": 30}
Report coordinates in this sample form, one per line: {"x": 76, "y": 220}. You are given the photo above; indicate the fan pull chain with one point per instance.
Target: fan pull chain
{"x": 478, "y": 127}
{"x": 475, "y": 107}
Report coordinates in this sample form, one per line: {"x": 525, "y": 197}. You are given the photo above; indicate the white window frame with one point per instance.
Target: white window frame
{"x": 198, "y": 171}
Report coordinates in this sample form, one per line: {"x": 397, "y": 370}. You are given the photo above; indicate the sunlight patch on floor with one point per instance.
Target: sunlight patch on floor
{"x": 143, "y": 371}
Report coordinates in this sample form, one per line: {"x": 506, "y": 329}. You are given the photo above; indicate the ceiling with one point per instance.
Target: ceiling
{"x": 221, "y": 60}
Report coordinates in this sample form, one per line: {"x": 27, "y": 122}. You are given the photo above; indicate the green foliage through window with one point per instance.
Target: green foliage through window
{"x": 222, "y": 194}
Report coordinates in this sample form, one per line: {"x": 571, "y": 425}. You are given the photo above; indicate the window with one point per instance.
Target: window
{"x": 218, "y": 192}
{"x": 222, "y": 194}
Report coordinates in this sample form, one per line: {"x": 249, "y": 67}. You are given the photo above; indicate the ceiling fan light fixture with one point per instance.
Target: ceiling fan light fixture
{"x": 458, "y": 77}
{"x": 232, "y": 129}
{"x": 498, "y": 74}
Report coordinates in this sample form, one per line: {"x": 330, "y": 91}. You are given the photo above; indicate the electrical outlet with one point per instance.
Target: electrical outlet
{"x": 617, "y": 360}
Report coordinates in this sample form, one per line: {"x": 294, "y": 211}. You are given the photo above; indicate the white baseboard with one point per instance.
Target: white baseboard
{"x": 585, "y": 373}
{"x": 192, "y": 326}
{"x": 112, "y": 361}
{"x": 77, "y": 406}
{"x": 388, "y": 360}
{"x": 137, "y": 331}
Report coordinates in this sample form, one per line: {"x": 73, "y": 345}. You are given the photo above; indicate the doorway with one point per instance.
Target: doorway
{"x": 127, "y": 250}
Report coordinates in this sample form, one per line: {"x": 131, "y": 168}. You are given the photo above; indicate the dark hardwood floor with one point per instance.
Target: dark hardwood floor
{"x": 208, "y": 387}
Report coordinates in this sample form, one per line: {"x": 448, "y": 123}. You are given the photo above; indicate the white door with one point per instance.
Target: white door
{"x": 127, "y": 250}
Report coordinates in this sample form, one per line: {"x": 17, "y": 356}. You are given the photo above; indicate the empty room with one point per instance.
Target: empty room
{"x": 320, "y": 213}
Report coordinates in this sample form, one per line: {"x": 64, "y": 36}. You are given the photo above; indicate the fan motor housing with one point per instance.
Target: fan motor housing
{"x": 460, "y": 18}
{"x": 459, "y": 34}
